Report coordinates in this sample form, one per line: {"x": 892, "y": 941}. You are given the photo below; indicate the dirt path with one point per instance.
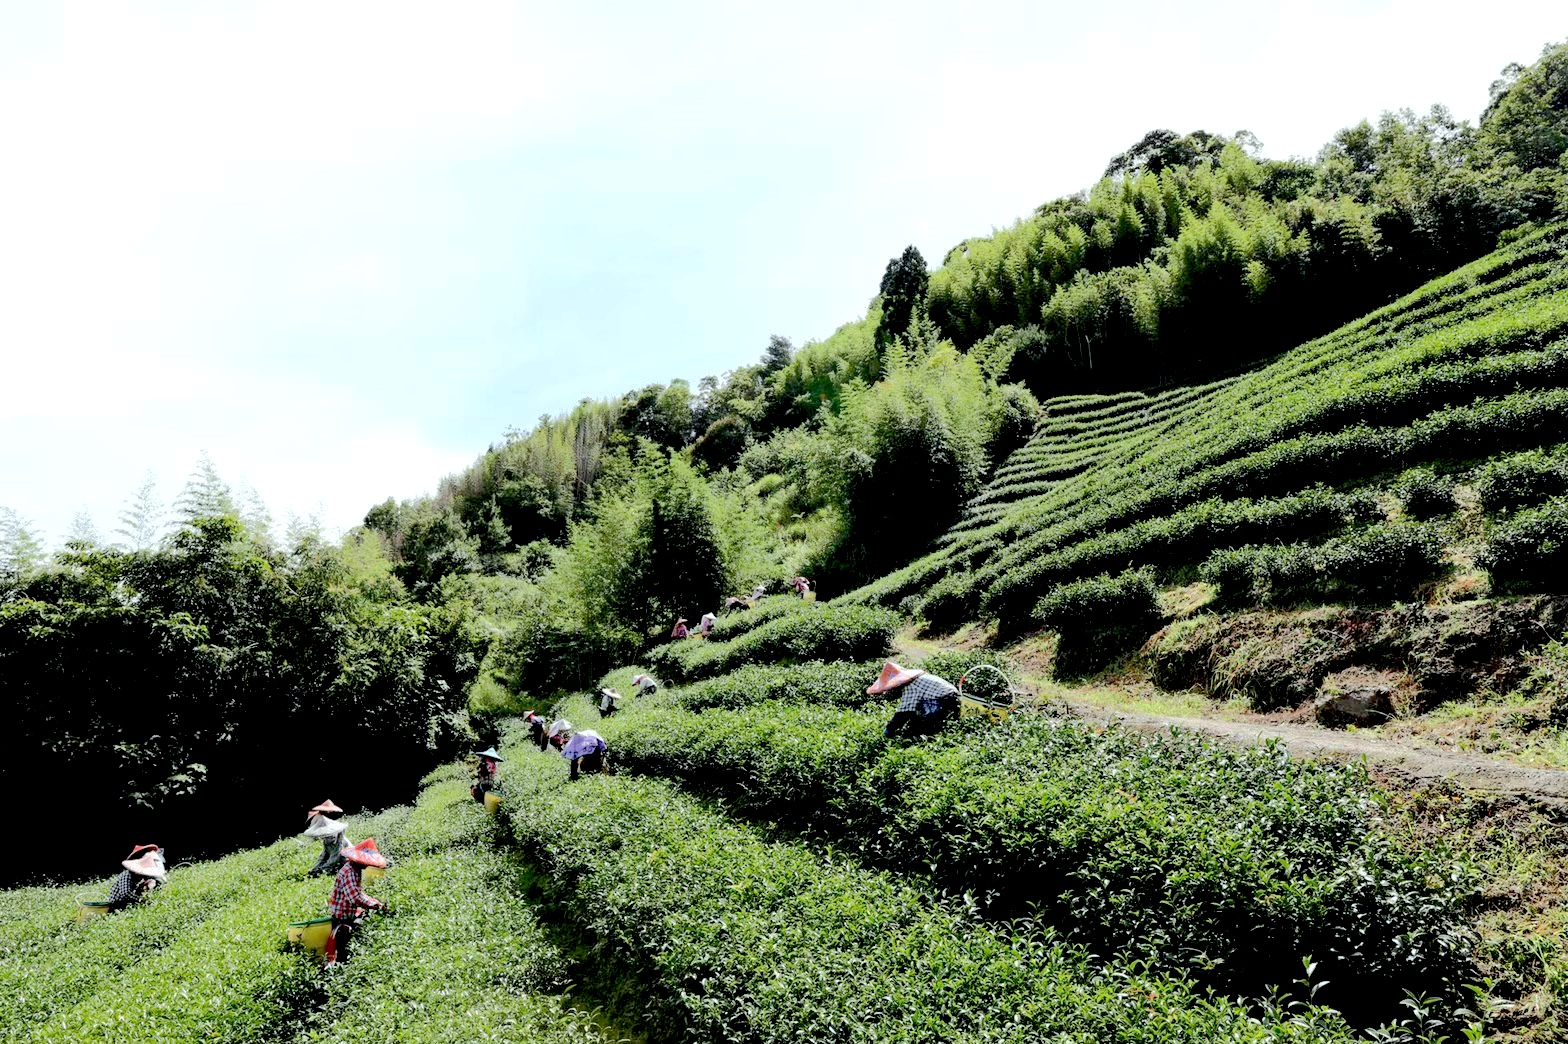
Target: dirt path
{"x": 1490, "y": 775}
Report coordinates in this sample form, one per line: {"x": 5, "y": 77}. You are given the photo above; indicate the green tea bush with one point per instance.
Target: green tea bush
{"x": 1426, "y": 494}
{"x": 828, "y": 632}
{"x": 1520, "y": 481}
{"x": 1099, "y": 618}
{"x": 738, "y": 622}
{"x": 1229, "y": 863}
{"x": 1189, "y": 535}
{"x": 1375, "y": 565}
{"x": 738, "y": 939}
{"x": 1529, "y": 552}
{"x": 835, "y": 684}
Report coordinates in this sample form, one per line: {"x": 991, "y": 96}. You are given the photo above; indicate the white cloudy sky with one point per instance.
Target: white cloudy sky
{"x": 341, "y": 247}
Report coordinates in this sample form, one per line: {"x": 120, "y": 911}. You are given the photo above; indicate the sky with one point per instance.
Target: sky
{"x": 341, "y": 247}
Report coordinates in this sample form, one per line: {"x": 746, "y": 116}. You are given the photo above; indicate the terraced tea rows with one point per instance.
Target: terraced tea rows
{"x": 1471, "y": 366}
{"x": 734, "y": 937}
{"x": 1231, "y": 864}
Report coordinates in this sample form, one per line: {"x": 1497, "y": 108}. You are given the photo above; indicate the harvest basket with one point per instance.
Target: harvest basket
{"x": 492, "y": 802}
{"x": 90, "y": 909}
{"x": 312, "y": 935}
{"x": 989, "y": 693}
{"x": 374, "y": 873}
{"x": 810, "y": 596}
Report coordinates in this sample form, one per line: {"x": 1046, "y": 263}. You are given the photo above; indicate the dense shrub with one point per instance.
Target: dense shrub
{"x": 1426, "y": 494}
{"x": 1519, "y": 481}
{"x": 734, "y": 938}
{"x": 824, "y": 633}
{"x": 833, "y": 684}
{"x": 1099, "y": 618}
{"x": 172, "y": 680}
{"x": 1529, "y": 552}
{"x": 1375, "y": 565}
{"x": 1229, "y": 862}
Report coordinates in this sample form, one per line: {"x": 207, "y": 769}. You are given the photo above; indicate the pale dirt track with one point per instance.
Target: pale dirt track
{"x": 1421, "y": 765}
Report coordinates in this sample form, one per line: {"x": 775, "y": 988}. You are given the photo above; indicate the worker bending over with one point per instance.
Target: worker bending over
{"x": 144, "y": 871}
{"x": 536, "y": 727}
{"x": 331, "y": 833}
{"x": 349, "y": 902}
{"x": 585, "y": 751}
{"x": 925, "y": 702}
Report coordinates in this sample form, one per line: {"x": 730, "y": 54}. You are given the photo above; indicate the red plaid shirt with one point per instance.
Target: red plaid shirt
{"x": 347, "y": 895}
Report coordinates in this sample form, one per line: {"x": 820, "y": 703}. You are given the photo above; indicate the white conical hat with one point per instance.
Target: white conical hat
{"x": 321, "y": 827}
{"x": 561, "y": 725}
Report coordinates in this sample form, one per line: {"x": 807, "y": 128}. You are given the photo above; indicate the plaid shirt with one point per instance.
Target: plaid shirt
{"x": 347, "y": 895}
{"x": 925, "y": 695}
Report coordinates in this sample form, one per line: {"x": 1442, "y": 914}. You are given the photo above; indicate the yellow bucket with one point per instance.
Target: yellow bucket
{"x": 90, "y": 910}
{"x": 492, "y": 802}
{"x": 312, "y": 935}
{"x": 810, "y": 596}
{"x": 968, "y": 707}
{"x": 372, "y": 873}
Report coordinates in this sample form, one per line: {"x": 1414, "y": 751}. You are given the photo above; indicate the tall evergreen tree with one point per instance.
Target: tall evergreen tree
{"x": 141, "y": 520}
{"x": 903, "y": 292}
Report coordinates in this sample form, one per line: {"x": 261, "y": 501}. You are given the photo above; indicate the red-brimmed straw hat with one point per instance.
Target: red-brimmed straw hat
{"x": 148, "y": 864}
{"x": 326, "y": 808}
{"x": 365, "y": 853}
{"x": 892, "y": 677}
{"x": 139, "y": 849}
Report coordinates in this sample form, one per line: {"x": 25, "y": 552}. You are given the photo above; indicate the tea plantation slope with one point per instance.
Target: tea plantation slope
{"x": 1470, "y": 367}
{"x": 202, "y": 960}
{"x": 736, "y": 938}
{"x": 199, "y": 960}
{"x": 1231, "y": 864}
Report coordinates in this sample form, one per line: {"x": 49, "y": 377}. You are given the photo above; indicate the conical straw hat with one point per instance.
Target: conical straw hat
{"x": 892, "y": 677}
{"x": 321, "y": 827}
{"x": 149, "y": 864}
{"x": 365, "y": 853}
{"x": 326, "y": 808}
{"x": 489, "y": 752}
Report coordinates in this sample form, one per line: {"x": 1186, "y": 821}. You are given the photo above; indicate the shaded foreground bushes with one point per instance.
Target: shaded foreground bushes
{"x": 1229, "y": 863}
{"x": 734, "y": 938}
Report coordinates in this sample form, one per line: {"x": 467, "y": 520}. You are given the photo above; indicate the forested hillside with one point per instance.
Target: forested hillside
{"x": 1116, "y": 397}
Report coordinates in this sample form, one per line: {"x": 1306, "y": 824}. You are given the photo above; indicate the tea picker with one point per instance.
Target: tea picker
{"x": 331, "y": 833}
{"x": 144, "y": 871}
{"x": 485, "y": 773}
{"x": 349, "y": 902}
{"x": 609, "y": 702}
{"x": 644, "y": 684}
{"x": 585, "y": 751}
{"x": 556, "y": 735}
{"x": 536, "y": 727}
{"x": 925, "y": 702}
